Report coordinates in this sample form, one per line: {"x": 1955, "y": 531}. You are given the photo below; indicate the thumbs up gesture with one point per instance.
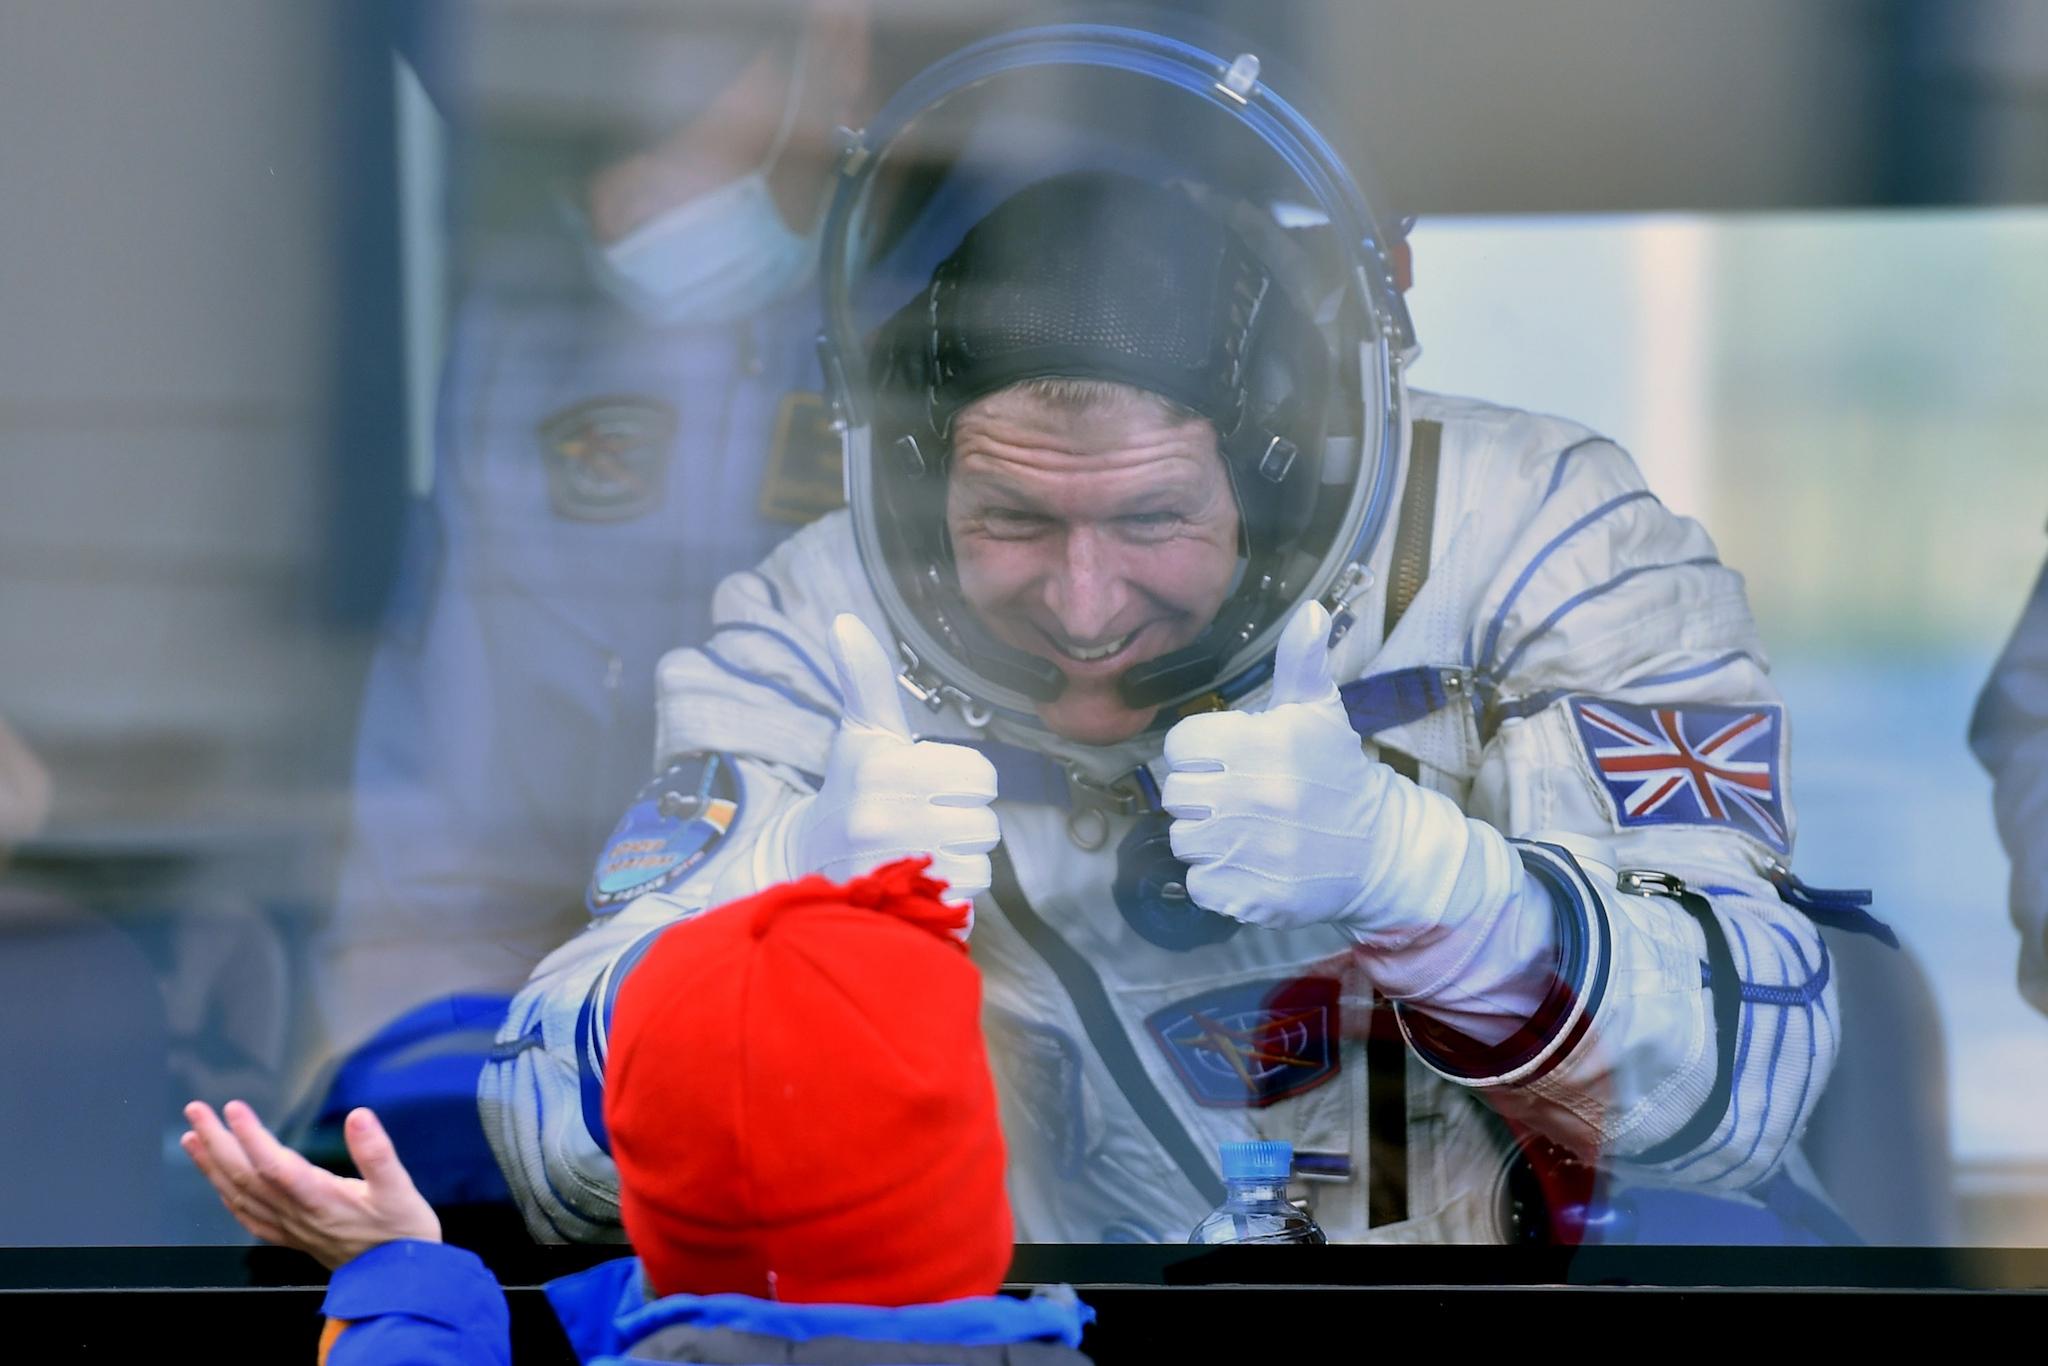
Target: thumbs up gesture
{"x": 1279, "y": 814}
{"x": 887, "y": 796}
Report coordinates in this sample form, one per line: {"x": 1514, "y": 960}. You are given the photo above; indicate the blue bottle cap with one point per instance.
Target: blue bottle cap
{"x": 1265, "y": 1160}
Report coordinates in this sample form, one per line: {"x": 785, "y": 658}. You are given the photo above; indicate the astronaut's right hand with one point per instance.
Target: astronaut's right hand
{"x": 887, "y": 796}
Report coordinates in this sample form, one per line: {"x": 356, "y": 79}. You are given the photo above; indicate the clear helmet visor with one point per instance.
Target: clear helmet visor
{"x": 1313, "y": 483}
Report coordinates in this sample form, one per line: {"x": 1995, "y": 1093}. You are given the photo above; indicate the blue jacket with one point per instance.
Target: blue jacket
{"x": 435, "y": 1305}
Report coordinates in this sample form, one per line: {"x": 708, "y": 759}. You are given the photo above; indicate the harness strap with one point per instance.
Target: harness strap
{"x": 1409, "y": 566}
{"x": 1372, "y": 704}
{"x": 1409, "y": 698}
{"x": 1105, "y": 1030}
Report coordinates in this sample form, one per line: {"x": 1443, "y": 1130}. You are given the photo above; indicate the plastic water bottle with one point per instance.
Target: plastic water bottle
{"x": 1255, "y": 1208}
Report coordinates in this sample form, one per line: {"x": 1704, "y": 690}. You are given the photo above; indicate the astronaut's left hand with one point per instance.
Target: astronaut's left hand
{"x": 1284, "y": 821}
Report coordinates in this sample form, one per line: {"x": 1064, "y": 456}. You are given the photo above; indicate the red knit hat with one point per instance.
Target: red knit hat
{"x": 799, "y": 1100}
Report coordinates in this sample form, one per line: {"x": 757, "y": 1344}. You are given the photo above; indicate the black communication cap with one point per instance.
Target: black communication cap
{"x": 1094, "y": 275}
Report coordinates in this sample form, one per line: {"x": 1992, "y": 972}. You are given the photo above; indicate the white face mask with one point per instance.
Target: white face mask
{"x": 718, "y": 257}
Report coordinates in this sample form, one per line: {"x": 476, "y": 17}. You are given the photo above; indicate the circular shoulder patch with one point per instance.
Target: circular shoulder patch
{"x": 607, "y": 458}
{"x": 672, "y": 826}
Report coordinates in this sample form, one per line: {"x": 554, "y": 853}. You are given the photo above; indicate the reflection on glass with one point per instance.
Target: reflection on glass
{"x": 229, "y": 871}
{"x": 1874, "y": 481}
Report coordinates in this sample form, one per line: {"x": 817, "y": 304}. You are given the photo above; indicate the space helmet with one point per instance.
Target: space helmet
{"x": 1100, "y": 202}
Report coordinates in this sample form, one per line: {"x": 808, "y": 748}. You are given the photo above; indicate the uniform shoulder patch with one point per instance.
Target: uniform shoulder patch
{"x": 673, "y": 825}
{"x": 805, "y": 478}
{"x": 1688, "y": 764}
{"x": 1249, "y": 1044}
{"x": 607, "y": 458}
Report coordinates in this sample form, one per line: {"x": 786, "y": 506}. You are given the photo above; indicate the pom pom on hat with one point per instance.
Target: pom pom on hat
{"x": 799, "y": 1100}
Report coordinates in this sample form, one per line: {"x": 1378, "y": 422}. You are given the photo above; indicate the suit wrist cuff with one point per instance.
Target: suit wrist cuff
{"x": 1562, "y": 1019}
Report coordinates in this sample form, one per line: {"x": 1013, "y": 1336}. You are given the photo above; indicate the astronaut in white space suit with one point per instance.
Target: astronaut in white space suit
{"x": 1386, "y": 773}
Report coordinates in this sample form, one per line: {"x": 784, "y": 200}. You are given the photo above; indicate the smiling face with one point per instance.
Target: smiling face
{"x": 1095, "y": 534}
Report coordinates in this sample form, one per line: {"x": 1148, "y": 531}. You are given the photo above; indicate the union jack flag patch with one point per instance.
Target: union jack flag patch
{"x": 1689, "y": 765}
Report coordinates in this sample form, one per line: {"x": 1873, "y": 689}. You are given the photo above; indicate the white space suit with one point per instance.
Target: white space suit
{"x": 1609, "y": 710}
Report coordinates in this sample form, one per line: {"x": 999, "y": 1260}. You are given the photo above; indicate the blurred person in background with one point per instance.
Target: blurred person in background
{"x": 631, "y": 337}
{"x": 1124, "y": 471}
{"x": 83, "y": 999}
{"x": 827, "y": 1200}
{"x": 625, "y": 412}
{"x": 24, "y": 791}
{"x": 628, "y": 410}
{"x": 2009, "y": 733}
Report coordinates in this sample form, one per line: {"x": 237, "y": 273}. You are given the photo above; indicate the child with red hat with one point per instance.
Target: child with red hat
{"x": 799, "y": 1103}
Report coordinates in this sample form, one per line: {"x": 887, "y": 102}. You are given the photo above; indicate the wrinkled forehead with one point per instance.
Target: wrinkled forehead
{"x": 1070, "y": 444}
{"x": 1083, "y": 417}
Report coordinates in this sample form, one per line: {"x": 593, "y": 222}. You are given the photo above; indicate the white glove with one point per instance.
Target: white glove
{"x": 1284, "y": 821}
{"x": 885, "y": 795}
